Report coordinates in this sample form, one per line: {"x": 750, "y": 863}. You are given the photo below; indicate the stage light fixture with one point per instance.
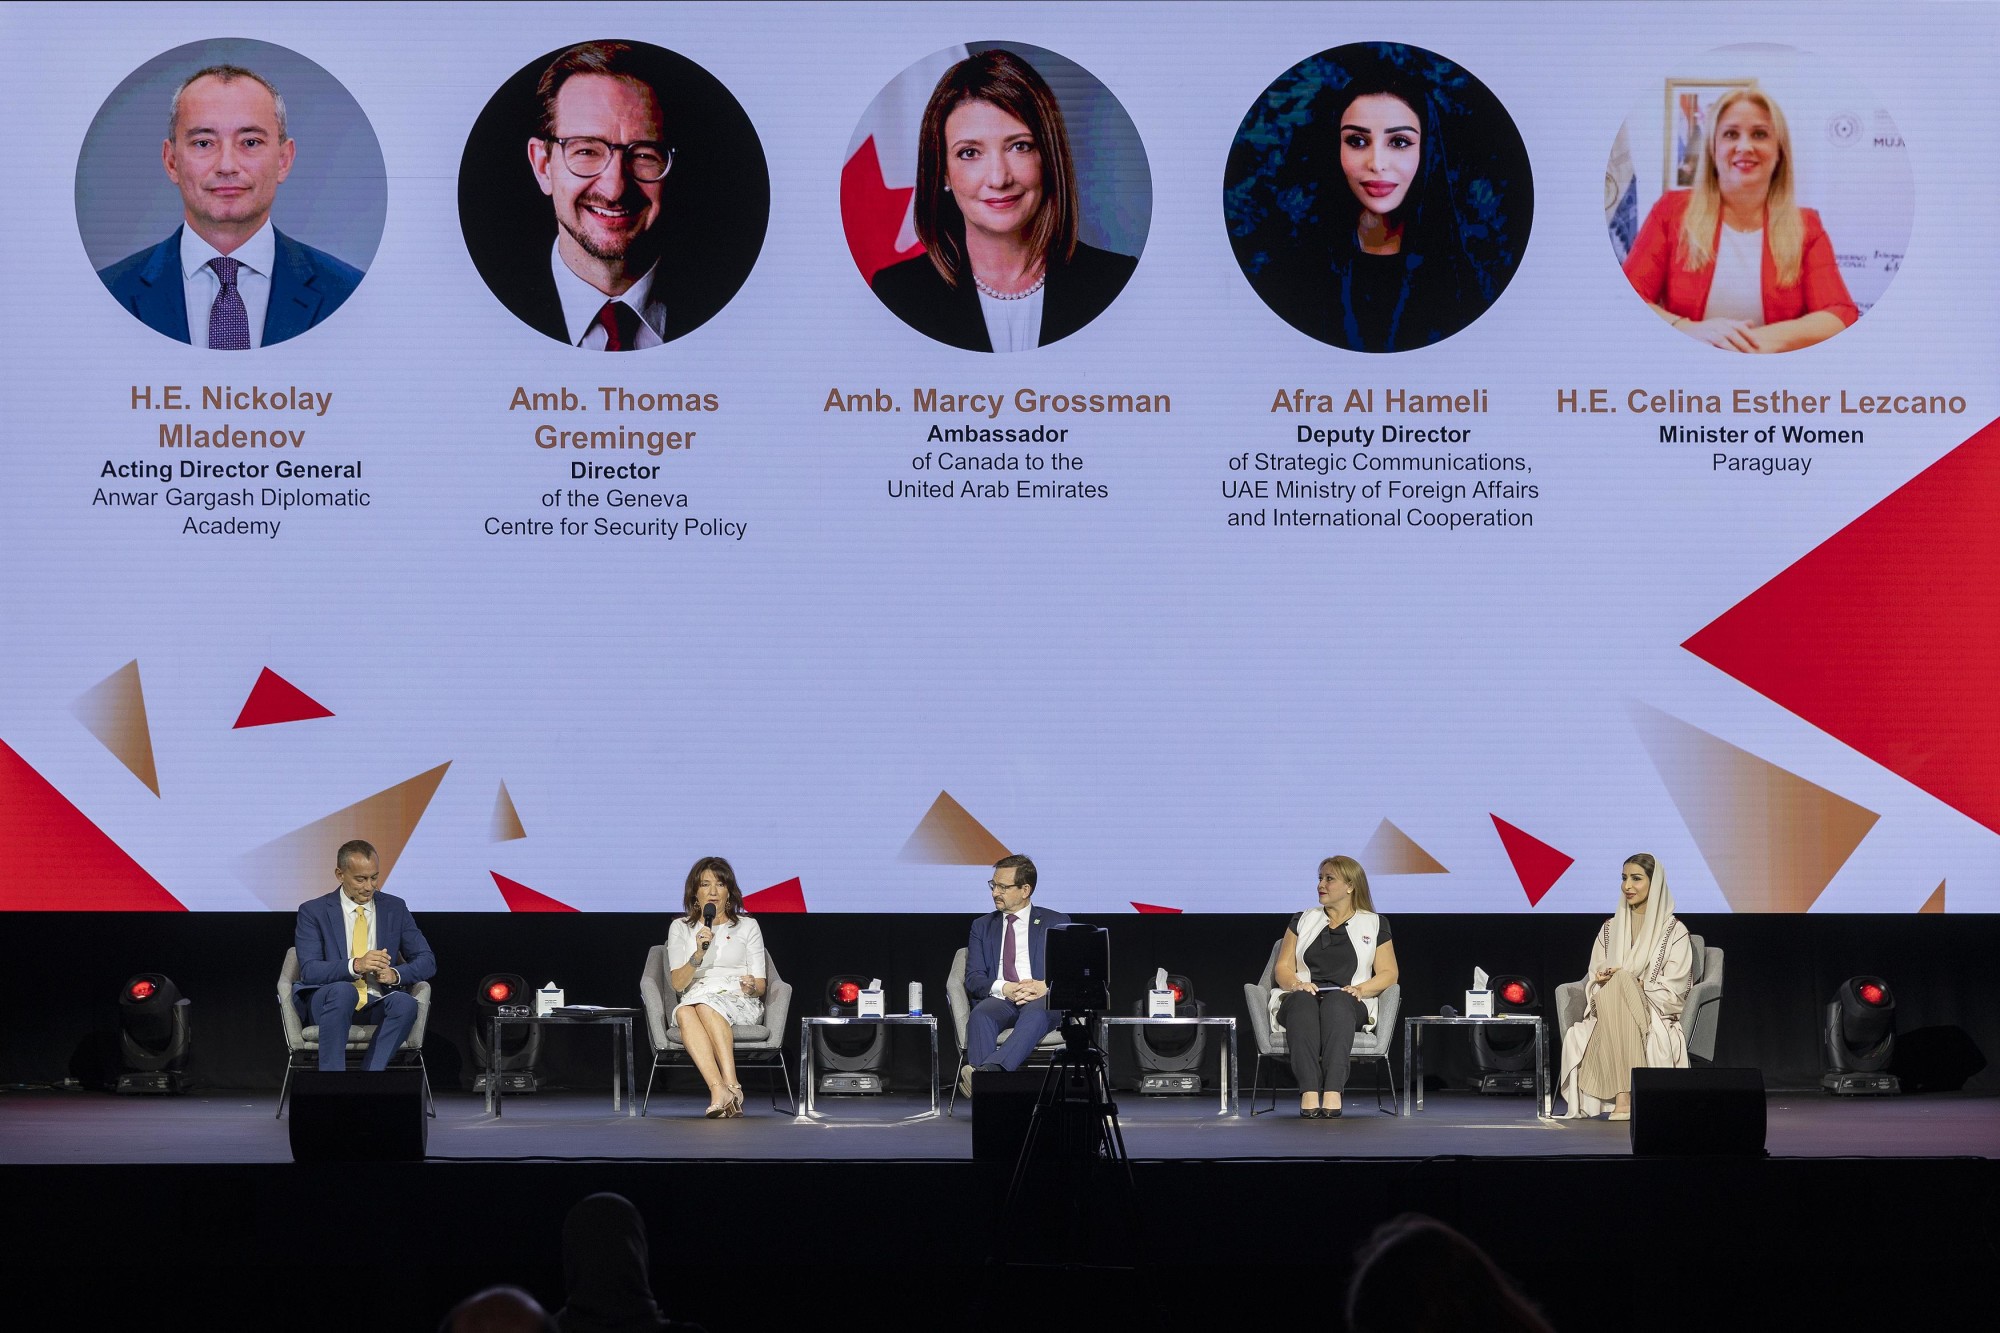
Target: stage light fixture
{"x": 153, "y": 1035}
{"x": 520, "y": 1047}
{"x": 1860, "y": 1040}
{"x": 1503, "y": 1055}
{"x": 848, "y": 1060}
{"x": 1170, "y": 1057}
{"x": 843, "y": 994}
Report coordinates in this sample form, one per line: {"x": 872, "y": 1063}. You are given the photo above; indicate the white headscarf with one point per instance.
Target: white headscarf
{"x": 1638, "y": 954}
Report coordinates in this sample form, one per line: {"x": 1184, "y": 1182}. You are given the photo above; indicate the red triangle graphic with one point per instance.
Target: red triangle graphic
{"x": 789, "y": 896}
{"x": 1537, "y": 864}
{"x": 872, "y": 212}
{"x": 1884, "y": 635}
{"x": 1152, "y": 909}
{"x": 521, "y": 898}
{"x": 40, "y": 828}
{"x": 275, "y": 699}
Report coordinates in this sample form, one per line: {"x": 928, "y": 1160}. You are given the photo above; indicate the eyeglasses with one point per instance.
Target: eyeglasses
{"x": 587, "y": 156}
{"x": 998, "y": 887}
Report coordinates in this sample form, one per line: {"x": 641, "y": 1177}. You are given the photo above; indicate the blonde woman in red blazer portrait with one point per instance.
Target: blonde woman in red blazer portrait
{"x": 1735, "y": 262}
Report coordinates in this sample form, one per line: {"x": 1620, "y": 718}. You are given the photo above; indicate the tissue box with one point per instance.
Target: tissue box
{"x": 1479, "y": 1004}
{"x": 869, "y": 1004}
{"x": 1159, "y": 1004}
{"x": 549, "y": 997}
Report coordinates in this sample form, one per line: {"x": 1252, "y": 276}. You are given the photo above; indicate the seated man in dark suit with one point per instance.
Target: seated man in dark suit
{"x": 1004, "y": 957}
{"x": 358, "y": 950}
{"x": 227, "y": 278}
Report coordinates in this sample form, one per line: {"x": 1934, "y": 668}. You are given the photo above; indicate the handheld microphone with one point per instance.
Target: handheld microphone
{"x": 708, "y": 917}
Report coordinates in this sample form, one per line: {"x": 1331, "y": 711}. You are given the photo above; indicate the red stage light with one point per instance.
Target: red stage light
{"x": 1870, "y": 992}
{"x": 499, "y": 992}
{"x": 141, "y": 989}
{"x": 1514, "y": 993}
{"x": 1179, "y": 994}
{"x": 847, "y": 992}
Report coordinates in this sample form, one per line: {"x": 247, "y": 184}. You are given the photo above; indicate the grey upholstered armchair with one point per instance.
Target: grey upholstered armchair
{"x": 1700, "y": 1018}
{"x": 302, "y": 1038}
{"x": 759, "y": 1046}
{"x": 961, "y": 1014}
{"x": 1370, "y": 1044}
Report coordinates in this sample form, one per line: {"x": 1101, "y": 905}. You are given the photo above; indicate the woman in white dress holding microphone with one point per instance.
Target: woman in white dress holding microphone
{"x": 715, "y": 960}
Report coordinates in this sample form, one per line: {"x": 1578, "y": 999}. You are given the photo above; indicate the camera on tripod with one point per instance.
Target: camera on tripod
{"x": 1074, "y": 1117}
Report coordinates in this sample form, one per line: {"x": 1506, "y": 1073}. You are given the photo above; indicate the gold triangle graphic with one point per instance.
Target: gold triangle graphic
{"x": 948, "y": 835}
{"x": 287, "y": 871}
{"x": 1772, "y": 839}
{"x": 114, "y": 711}
{"x": 506, "y": 819}
{"x": 1390, "y": 851}
{"x": 1933, "y": 905}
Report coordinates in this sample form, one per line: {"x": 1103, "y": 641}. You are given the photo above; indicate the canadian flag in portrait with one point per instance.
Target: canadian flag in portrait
{"x": 878, "y": 179}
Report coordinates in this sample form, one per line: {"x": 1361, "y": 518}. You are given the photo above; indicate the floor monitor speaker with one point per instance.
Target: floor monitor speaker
{"x": 1003, "y": 1100}
{"x": 1704, "y": 1111}
{"x": 353, "y": 1115}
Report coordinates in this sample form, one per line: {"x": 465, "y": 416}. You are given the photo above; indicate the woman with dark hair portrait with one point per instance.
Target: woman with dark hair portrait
{"x": 996, "y": 209}
{"x": 715, "y": 960}
{"x": 1641, "y": 969}
{"x": 1361, "y": 231}
{"x": 1735, "y": 262}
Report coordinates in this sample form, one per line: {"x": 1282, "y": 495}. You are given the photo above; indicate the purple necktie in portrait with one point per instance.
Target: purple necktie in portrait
{"x": 228, "y": 321}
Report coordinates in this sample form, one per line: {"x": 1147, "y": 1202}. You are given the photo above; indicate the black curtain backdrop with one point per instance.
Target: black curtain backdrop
{"x": 59, "y": 1019}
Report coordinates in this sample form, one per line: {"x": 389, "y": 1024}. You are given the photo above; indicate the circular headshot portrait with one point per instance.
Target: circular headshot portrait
{"x": 1378, "y": 197}
{"x": 996, "y": 197}
{"x": 230, "y": 194}
{"x": 613, "y": 195}
{"x": 1757, "y": 199}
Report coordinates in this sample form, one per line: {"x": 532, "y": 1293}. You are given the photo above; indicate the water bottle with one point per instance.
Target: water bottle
{"x": 916, "y": 998}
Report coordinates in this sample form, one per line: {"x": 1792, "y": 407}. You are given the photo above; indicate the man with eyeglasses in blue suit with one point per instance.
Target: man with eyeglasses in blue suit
{"x": 1006, "y": 972}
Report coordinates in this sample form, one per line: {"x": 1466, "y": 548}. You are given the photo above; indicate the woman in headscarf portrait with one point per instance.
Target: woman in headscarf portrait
{"x": 1378, "y": 197}
{"x": 1641, "y": 969}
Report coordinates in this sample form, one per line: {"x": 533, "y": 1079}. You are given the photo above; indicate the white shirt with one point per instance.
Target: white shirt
{"x": 736, "y": 951}
{"x": 1016, "y": 325}
{"x": 581, "y": 303}
{"x": 348, "y": 907}
{"x": 1021, "y": 965}
{"x": 1738, "y": 289}
{"x": 253, "y": 281}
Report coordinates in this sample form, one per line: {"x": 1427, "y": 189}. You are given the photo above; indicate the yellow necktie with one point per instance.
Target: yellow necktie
{"x": 355, "y": 949}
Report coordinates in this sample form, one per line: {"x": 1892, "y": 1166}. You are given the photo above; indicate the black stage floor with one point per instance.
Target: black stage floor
{"x": 52, "y": 1127}
{"x": 184, "y": 1211}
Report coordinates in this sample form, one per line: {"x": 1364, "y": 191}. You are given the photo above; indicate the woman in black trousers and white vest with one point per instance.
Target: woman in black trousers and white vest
{"x": 1335, "y": 960}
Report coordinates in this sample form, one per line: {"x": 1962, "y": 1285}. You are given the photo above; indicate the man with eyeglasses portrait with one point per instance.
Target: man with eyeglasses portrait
{"x": 1006, "y": 973}
{"x": 228, "y": 279}
{"x": 601, "y": 154}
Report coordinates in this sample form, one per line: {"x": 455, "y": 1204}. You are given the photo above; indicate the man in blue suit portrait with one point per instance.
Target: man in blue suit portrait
{"x": 227, "y": 278}
{"x": 359, "y": 950}
{"x": 1006, "y": 972}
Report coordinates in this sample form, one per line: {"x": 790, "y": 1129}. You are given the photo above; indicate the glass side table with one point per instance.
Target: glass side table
{"x": 1413, "y": 1055}
{"x": 809, "y": 1076}
{"x": 621, "y": 1021}
{"x": 1227, "y": 1101}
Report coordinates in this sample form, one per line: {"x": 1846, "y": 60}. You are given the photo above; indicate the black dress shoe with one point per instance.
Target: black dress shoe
{"x": 1309, "y": 1113}
{"x": 1329, "y": 1113}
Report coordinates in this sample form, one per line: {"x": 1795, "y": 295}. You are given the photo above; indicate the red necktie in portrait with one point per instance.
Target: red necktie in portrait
{"x": 621, "y": 326}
